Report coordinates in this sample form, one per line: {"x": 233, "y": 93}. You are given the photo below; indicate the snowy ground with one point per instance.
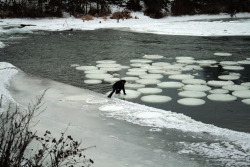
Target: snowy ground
{"x": 235, "y": 148}
{"x": 202, "y": 25}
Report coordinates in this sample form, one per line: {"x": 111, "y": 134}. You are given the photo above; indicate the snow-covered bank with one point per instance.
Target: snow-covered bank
{"x": 198, "y": 25}
{"x": 7, "y": 71}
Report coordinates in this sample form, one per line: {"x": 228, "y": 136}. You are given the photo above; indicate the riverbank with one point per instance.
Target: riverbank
{"x": 197, "y": 25}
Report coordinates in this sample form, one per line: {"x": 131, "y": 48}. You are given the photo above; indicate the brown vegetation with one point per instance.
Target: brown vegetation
{"x": 87, "y": 17}
{"x": 121, "y": 15}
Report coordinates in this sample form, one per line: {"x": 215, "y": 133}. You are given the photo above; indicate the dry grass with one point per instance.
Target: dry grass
{"x": 121, "y": 15}
{"x": 87, "y": 17}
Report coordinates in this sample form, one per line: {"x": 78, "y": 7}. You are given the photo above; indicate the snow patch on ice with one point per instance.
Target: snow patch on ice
{"x": 2, "y": 45}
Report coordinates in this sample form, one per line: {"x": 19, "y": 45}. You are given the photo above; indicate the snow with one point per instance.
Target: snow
{"x": 183, "y": 25}
{"x": 7, "y": 71}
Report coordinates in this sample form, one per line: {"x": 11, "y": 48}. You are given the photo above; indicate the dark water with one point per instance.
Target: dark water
{"x": 50, "y": 54}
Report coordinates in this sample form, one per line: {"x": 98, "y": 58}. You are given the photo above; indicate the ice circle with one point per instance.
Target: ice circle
{"x": 186, "y": 61}
{"x": 233, "y": 68}
{"x": 106, "y": 61}
{"x": 98, "y": 76}
{"x": 111, "y": 80}
{"x": 134, "y": 86}
{"x": 193, "y": 94}
{"x": 219, "y": 83}
{"x": 147, "y": 115}
{"x": 201, "y": 88}
{"x": 246, "y": 101}
{"x": 152, "y": 57}
{"x": 140, "y": 61}
{"x": 111, "y": 69}
{"x": 151, "y": 76}
{"x": 137, "y": 69}
{"x": 222, "y": 54}
{"x": 193, "y": 81}
{"x": 170, "y": 85}
{"x": 228, "y": 63}
{"x": 92, "y": 81}
{"x": 139, "y": 65}
{"x": 130, "y": 78}
{"x": 206, "y": 62}
{"x": 83, "y": 68}
{"x": 95, "y": 72}
{"x": 235, "y": 87}
{"x": 156, "y": 71}
{"x": 148, "y": 81}
{"x": 130, "y": 94}
{"x": 191, "y": 101}
{"x": 105, "y": 65}
{"x": 155, "y": 99}
{"x": 184, "y": 58}
{"x": 149, "y": 90}
{"x": 228, "y": 77}
{"x": 221, "y": 97}
{"x": 245, "y": 94}
{"x": 218, "y": 91}
{"x": 111, "y": 108}
{"x": 136, "y": 73}
{"x": 152, "y": 68}
{"x": 181, "y": 76}
{"x": 172, "y": 72}
{"x": 173, "y": 67}
{"x": 244, "y": 62}
{"x": 160, "y": 64}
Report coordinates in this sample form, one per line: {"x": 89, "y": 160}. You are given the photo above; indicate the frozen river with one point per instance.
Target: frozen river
{"x": 51, "y": 54}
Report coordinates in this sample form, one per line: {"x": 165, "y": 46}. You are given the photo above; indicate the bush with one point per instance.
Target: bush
{"x": 16, "y": 137}
{"x": 87, "y": 17}
{"x": 121, "y": 15}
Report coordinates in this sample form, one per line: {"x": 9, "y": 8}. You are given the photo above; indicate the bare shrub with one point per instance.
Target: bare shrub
{"x": 105, "y": 18}
{"x": 87, "y": 17}
{"x": 121, "y": 15}
{"x": 16, "y": 137}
